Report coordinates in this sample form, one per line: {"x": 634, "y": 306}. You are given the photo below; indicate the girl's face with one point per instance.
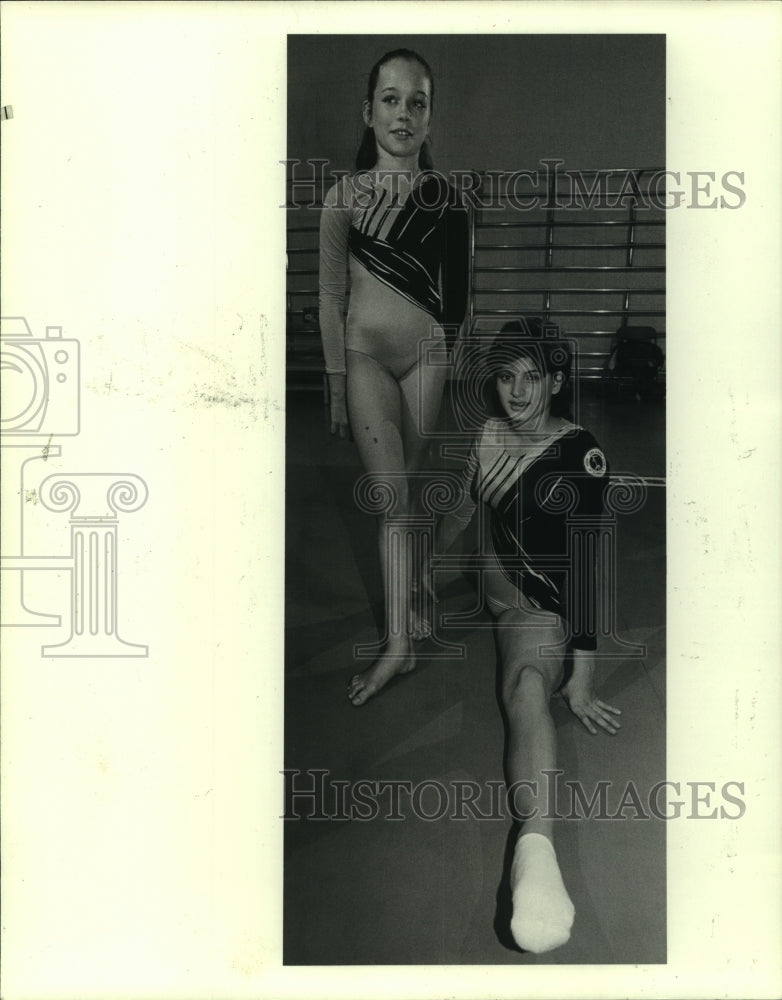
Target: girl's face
{"x": 399, "y": 113}
{"x": 525, "y": 393}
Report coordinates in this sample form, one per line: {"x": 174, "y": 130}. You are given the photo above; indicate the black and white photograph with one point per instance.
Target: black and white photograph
{"x": 475, "y": 499}
{"x": 389, "y": 557}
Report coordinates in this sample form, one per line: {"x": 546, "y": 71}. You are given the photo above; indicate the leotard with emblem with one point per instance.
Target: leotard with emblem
{"x": 539, "y": 496}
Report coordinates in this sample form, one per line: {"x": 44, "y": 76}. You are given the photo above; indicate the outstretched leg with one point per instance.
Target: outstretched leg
{"x": 542, "y": 910}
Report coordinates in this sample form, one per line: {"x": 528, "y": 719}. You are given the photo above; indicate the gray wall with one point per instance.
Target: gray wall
{"x": 502, "y": 102}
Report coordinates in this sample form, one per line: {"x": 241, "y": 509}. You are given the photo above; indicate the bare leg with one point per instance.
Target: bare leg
{"x": 384, "y": 420}
{"x": 542, "y": 910}
{"x": 422, "y": 394}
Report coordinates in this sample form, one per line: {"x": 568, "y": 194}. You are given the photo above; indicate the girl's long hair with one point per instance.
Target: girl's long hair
{"x": 366, "y": 157}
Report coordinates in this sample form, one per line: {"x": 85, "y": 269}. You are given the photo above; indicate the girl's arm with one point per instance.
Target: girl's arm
{"x": 590, "y": 483}
{"x": 334, "y": 228}
{"x": 588, "y": 479}
{"x": 452, "y": 524}
{"x": 456, "y": 264}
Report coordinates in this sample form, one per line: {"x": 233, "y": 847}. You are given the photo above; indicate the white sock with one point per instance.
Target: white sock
{"x": 542, "y": 910}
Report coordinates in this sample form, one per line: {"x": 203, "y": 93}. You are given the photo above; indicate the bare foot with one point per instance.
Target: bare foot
{"x": 398, "y": 659}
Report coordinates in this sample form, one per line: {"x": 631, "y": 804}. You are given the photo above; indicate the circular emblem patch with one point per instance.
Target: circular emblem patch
{"x": 595, "y": 462}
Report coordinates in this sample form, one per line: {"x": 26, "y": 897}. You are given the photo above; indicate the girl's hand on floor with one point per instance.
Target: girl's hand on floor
{"x": 579, "y": 693}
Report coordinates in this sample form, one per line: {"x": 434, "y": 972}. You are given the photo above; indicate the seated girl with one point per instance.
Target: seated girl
{"x": 540, "y": 478}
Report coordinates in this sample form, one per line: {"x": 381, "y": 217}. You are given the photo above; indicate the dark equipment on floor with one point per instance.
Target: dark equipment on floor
{"x": 634, "y": 365}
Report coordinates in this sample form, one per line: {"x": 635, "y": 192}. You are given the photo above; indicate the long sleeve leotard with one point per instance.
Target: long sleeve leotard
{"x": 408, "y": 252}
{"x": 537, "y": 498}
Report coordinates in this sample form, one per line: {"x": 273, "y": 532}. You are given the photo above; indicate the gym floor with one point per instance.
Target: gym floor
{"x": 435, "y": 891}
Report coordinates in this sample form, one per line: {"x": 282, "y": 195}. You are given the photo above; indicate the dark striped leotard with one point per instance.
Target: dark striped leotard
{"x": 407, "y": 245}
{"x": 537, "y": 497}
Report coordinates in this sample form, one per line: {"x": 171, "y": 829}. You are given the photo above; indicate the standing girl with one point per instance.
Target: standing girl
{"x": 404, "y": 233}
